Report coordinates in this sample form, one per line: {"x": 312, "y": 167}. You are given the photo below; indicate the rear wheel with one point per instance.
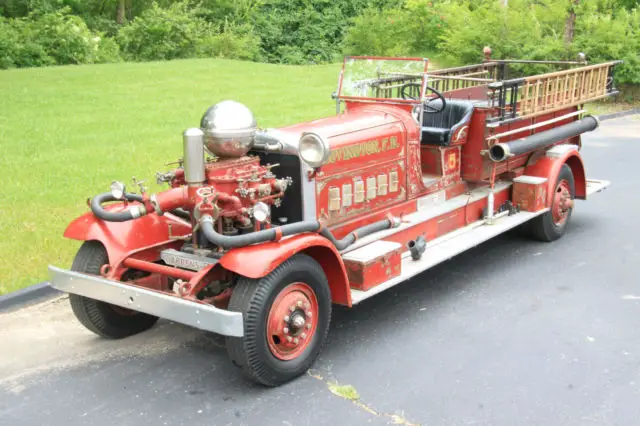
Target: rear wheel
{"x": 102, "y": 318}
{"x": 286, "y": 319}
{"x": 553, "y": 224}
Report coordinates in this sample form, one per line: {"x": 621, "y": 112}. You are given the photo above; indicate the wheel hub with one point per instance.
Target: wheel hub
{"x": 562, "y": 203}
{"x": 292, "y": 321}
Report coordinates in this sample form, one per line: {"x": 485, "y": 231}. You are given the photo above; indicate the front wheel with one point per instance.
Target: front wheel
{"x": 104, "y": 319}
{"x": 553, "y": 224}
{"x": 286, "y": 319}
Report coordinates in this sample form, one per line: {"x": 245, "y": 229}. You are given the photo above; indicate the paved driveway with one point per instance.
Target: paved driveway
{"x": 513, "y": 332}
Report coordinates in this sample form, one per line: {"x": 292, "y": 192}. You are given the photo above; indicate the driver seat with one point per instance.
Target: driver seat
{"x": 437, "y": 128}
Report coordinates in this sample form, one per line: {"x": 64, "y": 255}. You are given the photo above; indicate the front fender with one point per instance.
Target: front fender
{"x": 549, "y": 166}
{"x": 120, "y": 238}
{"x": 257, "y": 261}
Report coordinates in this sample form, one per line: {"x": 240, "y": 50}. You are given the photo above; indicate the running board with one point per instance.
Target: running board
{"x": 446, "y": 247}
{"x": 595, "y": 185}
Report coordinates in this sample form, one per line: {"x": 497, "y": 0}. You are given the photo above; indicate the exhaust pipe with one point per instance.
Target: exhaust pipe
{"x": 501, "y": 151}
{"x": 417, "y": 247}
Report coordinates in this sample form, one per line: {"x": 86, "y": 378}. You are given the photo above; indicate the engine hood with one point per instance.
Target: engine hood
{"x": 353, "y": 126}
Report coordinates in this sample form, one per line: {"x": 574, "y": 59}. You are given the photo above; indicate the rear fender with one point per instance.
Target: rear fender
{"x": 120, "y": 238}
{"x": 259, "y": 260}
{"x": 548, "y": 166}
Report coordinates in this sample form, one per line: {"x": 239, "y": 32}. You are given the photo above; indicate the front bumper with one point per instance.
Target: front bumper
{"x": 198, "y": 315}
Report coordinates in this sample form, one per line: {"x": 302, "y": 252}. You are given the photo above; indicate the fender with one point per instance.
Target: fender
{"x": 120, "y": 238}
{"x": 548, "y": 166}
{"x": 259, "y": 260}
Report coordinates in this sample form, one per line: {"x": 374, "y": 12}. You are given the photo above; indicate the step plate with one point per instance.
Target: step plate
{"x": 595, "y": 185}
{"x": 446, "y": 247}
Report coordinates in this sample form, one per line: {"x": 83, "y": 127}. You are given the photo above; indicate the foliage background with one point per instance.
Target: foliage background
{"x": 56, "y": 32}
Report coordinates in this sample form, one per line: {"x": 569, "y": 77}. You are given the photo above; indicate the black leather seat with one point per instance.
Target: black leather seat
{"x": 437, "y": 128}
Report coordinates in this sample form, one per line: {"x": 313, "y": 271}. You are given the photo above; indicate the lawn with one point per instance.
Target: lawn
{"x": 67, "y": 132}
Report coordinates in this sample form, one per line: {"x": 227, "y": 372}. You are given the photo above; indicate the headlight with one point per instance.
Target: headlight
{"x": 313, "y": 150}
{"x": 117, "y": 190}
{"x": 261, "y": 212}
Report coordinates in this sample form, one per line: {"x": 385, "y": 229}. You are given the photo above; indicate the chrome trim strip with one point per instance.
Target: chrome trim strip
{"x": 174, "y": 308}
{"x": 308, "y": 192}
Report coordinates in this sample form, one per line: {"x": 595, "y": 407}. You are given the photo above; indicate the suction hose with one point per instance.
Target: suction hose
{"x": 225, "y": 241}
{"x": 131, "y": 213}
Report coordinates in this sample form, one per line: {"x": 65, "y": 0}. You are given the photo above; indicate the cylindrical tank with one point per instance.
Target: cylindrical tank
{"x": 194, "y": 156}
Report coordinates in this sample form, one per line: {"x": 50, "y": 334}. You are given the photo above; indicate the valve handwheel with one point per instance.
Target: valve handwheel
{"x": 286, "y": 319}
{"x": 407, "y": 89}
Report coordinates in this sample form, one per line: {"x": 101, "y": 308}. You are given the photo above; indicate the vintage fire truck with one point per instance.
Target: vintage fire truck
{"x": 262, "y": 230}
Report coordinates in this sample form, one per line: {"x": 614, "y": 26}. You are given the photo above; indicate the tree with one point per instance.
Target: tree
{"x": 570, "y": 23}
{"x": 120, "y": 12}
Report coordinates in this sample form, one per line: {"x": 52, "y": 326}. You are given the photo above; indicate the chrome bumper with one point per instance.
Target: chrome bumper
{"x": 205, "y": 317}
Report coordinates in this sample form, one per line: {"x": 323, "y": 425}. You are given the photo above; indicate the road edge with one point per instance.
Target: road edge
{"x": 619, "y": 114}
{"x": 27, "y": 296}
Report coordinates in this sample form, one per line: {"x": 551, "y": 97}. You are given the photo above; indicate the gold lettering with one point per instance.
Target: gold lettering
{"x": 371, "y": 147}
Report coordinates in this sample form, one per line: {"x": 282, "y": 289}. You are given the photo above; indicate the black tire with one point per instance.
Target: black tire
{"x": 102, "y": 318}
{"x": 254, "y": 298}
{"x": 543, "y": 227}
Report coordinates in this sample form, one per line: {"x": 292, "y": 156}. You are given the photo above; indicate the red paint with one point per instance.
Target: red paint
{"x": 562, "y": 203}
{"x": 529, "y": 196}
{"x": 156, "y": 268}
{"x": 267, "y": 256}
{"x": 119, "y": 238}
{"x": 549, "y": 167}
{"x": 286, "y": 339}
{"x": 365, "y": 275}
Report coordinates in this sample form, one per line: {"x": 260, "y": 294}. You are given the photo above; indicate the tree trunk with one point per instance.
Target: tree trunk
{"x": 570, "y": 23}
{"x": 120, "y": 12}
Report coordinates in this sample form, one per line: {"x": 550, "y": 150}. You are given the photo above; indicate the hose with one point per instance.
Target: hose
{"x": 131, "y": 213}
{"x": 358, "y": 233}
{"x": 233, "y": 241}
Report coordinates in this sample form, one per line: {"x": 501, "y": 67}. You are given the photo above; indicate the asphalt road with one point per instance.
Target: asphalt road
{"x": 514, "y": 332}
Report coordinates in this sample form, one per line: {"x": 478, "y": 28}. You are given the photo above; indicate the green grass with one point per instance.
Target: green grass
{"x": 67, "y": 132}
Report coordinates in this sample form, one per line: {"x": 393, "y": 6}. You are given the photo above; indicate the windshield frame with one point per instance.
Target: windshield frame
{"x": 342, "y": 97}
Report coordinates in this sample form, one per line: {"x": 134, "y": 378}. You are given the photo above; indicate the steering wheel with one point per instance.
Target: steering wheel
{"x": 427, "y": 108}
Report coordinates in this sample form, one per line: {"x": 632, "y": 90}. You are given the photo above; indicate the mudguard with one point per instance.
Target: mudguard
{"x": 259, "y": 260}
{"x": 120, "y": 238}
{"x": 548, "y": 166}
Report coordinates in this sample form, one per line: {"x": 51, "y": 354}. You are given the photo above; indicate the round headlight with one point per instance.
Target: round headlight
{"x": 117, "y": 190}
{"x": 261, "y": 212}
{"x": 313, "y": 150}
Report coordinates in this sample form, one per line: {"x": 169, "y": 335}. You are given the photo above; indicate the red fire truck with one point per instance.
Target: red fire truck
{"x": 262, "y": 230}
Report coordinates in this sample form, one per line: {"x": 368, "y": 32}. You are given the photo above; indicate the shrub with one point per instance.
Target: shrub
{"x": 55, "y": 38}
{"x": 303, "y": 31}
{"x": 386, "y": 33}
{"x": 158, "y": 33}
{"x": 234, "y": 42}
{"x": 603, "y": 37}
